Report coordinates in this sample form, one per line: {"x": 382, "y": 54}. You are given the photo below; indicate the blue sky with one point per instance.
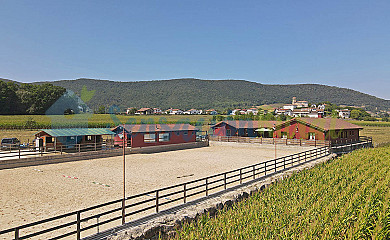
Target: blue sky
{"x": 339, "y": 43}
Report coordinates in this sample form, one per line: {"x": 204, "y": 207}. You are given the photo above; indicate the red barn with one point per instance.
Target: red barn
{"x": 336, "y": 130}
{"x": 145, "y": 135}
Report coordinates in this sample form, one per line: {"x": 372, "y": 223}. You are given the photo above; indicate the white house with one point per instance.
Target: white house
{"x": 176, "y": 112}
{"x": 157, "y": 111}
{"x": 193, "y": 112}
{"x": 344, "y": 113}
{"x": 289, "y": 106}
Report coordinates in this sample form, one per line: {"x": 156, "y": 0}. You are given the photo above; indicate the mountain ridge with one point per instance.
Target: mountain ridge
{"x": 220, "y": 94}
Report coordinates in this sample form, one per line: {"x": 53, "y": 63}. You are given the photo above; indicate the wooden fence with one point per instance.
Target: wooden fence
{"x": 91, "y": 220}
{"x": 279, "y": 141}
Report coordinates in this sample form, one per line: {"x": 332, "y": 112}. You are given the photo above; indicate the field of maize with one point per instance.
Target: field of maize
{"x": 347, "y": 198}
{"x": 93, "y": 120}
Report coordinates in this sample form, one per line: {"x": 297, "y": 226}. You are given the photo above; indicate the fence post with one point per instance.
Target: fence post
{"x": 224, "y": 180}
{"x": 123, "y": 211}
{"x": 185, "y": 193}
{"x": 284, "y": 162}
{"x": 240, "y": 176}
{"x": 16, "y": 233}
{"x": 275, "y": 164}
{"x": 95, "y": 147}
{"x": 157, "y": 201}
{"x": 254, "y": 173}
{"x": 19, "y": 152}
{"x": 265, "y": 168}
{"x": 61, "y": 149}
{"x": 207, "y": 187}
{"x": 79, "y": 148}
{"x": 78, "y": 225}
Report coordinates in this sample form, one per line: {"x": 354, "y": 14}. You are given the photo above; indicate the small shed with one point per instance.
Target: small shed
{"x": 144, "y": 135}
{"x": 72, "y": 137}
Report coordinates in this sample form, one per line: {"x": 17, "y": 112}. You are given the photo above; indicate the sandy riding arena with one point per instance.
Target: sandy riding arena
{"x": 33, "y": 193}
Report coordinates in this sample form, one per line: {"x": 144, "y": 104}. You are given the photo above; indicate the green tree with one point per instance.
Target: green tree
{"x": 355, "y": 114}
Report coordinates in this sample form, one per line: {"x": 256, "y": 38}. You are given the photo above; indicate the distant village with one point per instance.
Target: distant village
{"x": 295, "y": 109}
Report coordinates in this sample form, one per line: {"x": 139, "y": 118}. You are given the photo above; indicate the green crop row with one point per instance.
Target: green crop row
{"x": 93, "y": 121}
{"x": 347, "y": 198}
{"x": 370, "y": 123}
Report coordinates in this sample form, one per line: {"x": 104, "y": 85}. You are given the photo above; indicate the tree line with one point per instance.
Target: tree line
{"x": 27, "y": 98}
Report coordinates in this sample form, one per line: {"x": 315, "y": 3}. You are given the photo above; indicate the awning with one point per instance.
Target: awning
{"x": 264, "y": 130}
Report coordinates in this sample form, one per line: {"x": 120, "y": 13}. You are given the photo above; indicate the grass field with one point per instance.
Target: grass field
{"x": 348, "y": 198}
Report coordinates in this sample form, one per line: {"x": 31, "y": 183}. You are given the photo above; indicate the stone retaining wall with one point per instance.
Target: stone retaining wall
{"x": 167, "y": 224}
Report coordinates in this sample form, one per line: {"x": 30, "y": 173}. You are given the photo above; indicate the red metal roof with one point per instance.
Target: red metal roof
{"x": 325, "y": 124}
{"x": 250, "y": 124}
{"x": 138, "y": 128}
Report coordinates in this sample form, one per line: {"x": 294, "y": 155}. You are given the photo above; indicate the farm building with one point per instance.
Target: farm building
{"x": 336, "y": 130}
{"x": 71, "y": 137}
{"x": 244, "y": 128}
{"x": 144, "y": 135}
{"x": 296, "y": 128}
{"x": 144, "y": 111}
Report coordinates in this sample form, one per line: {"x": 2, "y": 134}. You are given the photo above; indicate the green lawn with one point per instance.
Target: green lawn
{"x": 347, "y": 198}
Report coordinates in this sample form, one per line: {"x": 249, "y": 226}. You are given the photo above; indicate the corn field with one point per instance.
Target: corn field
{"x": 347, "y": 198}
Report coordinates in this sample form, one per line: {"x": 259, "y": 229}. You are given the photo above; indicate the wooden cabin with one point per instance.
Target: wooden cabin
{"x": 71, "y": 138}
{"x": 240, "y": 128}
{"x": 145, "y": 135}
{"x": 333, "y": 129}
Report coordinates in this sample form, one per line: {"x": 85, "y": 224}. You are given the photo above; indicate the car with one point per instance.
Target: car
{"x": 10, "y": 143}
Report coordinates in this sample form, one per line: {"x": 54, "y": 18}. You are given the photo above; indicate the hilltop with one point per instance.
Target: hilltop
{"x": 220, "y": 94}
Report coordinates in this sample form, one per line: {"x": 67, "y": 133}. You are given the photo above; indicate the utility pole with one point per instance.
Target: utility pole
{"x": 274, "y": 128}
{"x": 124, "y": 175}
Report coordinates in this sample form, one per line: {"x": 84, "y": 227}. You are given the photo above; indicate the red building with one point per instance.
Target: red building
{"x": 145, "y": 135}
{"x": 336, "y": 130}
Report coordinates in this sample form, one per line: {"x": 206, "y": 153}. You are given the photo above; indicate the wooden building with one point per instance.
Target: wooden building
{"x": 70, "y": 138}
{"x": 333, "y": 129}
{"x": 244, "y": 128}
{"x": 336, "y": 130}
{"x": 144, "y": 135}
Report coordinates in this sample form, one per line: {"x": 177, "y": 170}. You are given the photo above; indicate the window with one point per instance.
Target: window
{"x": 163, "y": 137}
{"x": 49, "y": 140}
{"x": 185, "y": 133}
{"x": 284, "y": 134}
{"x": 312, "y": 136}
{"x": 149, "y": 137}
{"x": 89, "y": 138}
{"x": 228, "y": 132}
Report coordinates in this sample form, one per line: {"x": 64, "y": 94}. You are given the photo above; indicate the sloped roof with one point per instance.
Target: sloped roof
{"x": 144, "y": 109}
{"x": 250, "y": 124}
{"x": 139, "y": 128}
{"x": 325, "y": 124}
{"x": 65, "y": 132}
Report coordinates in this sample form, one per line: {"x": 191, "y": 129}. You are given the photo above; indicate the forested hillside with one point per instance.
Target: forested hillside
{"x": 16, "y": 98}
{"x": 220, "y": 94}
